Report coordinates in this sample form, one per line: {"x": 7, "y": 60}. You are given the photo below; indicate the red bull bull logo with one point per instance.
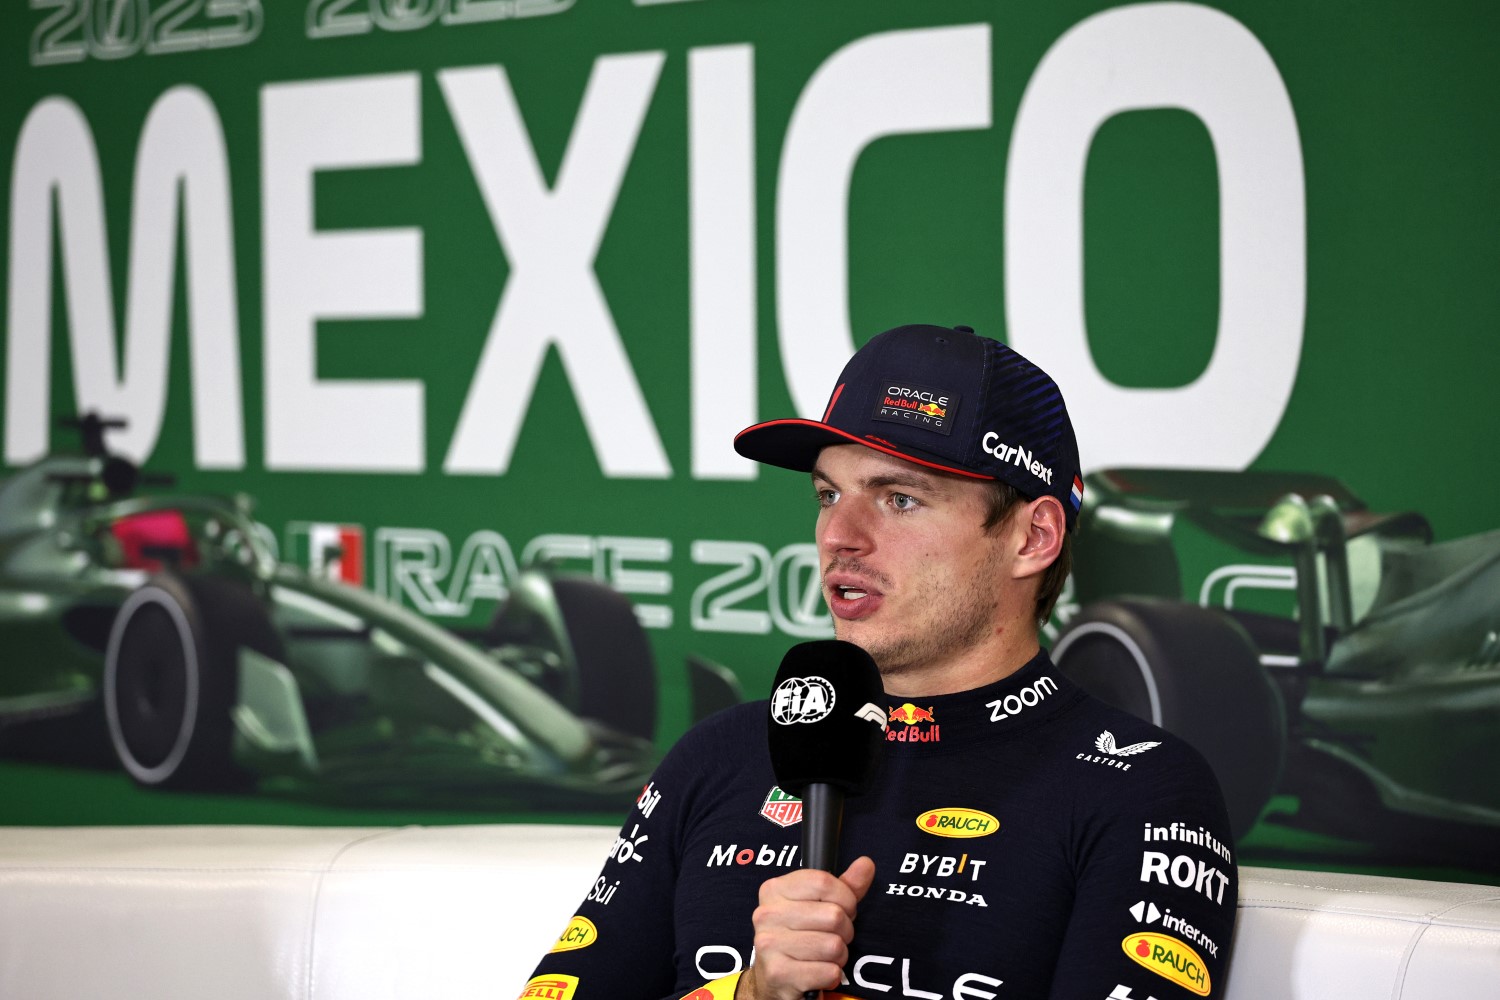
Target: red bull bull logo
{"x": 932, "y": 410}
{"x": 915, "y": 728}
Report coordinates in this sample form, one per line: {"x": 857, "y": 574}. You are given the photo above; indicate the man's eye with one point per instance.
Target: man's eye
{"x": 827, "y": 497}
{"x": 903, "y": 502}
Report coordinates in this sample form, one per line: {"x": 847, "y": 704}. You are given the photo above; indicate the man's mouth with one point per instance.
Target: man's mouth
{"x": 852, "y": 599}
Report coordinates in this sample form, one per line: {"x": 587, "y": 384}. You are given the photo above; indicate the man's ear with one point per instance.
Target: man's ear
{"x": 1044, "y": 525}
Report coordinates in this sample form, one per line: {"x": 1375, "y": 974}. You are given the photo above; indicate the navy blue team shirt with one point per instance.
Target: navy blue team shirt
{"x": 1029, "y": 841}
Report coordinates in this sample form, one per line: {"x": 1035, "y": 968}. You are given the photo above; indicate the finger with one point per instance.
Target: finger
{"x": 790, "y": 963}
{"x": 797, "y": 915}
{"x": 858, "y": 877}
{"x": 807, "y": 884}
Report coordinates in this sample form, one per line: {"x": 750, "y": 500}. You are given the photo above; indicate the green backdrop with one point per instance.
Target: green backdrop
{"x": 490, "y": 281}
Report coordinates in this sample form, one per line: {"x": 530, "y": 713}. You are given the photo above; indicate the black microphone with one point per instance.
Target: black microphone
{"x": 827, "y": 725}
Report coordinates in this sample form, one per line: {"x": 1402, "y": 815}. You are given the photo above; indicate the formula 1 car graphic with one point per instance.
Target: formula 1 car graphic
{"x": 167, "y": 623}
{"x": 1318, "y": 649}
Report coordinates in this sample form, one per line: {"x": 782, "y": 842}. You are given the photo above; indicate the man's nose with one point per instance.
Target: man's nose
{"x": 844, "y": 528}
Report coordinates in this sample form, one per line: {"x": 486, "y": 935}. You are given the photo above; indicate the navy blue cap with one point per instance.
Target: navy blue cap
{"x": 944, "y": 398}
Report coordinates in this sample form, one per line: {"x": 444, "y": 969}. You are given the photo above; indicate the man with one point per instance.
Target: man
{"x": 1022, "y": 840}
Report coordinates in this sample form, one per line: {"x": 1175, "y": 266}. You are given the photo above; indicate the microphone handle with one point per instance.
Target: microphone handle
{"x": 822, "y": 817}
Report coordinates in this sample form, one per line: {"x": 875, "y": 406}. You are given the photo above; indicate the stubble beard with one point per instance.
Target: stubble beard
{"x": 960, "y": 625}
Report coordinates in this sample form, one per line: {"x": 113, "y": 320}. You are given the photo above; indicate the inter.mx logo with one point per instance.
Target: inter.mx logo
{"x": 332, "y": 551}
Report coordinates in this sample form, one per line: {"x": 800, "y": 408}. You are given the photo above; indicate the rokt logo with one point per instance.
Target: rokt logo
{"x": 802, "y": 699}
{"x": 1185, "y": 873}
{"x": 957, "y": 822}
{"x": 1169, "y": 958}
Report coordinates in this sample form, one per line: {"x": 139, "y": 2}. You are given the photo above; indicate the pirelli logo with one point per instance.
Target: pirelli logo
{"x": 550, "y": 987}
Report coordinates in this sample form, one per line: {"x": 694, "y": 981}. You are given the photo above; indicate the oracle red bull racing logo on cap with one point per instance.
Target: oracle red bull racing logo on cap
{"x": 919, "y": 724}
{"x": 915, "y": 406}
{"x": 958, "y": 822}
{"x": 1169, "y": 958}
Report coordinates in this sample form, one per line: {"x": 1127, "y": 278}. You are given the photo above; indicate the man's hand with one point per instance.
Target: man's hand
{"x": 803, "y": 927}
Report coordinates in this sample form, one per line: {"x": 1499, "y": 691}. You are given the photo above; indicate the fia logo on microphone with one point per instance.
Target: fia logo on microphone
{"x": 801, "y": 699}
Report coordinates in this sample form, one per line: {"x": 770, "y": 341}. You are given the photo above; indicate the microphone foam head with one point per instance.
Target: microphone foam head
{"x": 826, "y": 719}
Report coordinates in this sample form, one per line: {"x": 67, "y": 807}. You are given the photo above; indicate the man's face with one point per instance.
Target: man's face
{"x": 909, "y": 571}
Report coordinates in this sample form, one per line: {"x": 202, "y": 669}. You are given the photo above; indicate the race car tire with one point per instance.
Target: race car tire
{"x": 1193, "y": 672}
{"x": 616, "y": 669}
{"x": 171, "y": 677}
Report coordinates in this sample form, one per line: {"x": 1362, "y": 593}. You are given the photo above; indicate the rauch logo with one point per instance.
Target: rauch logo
{"x": 957, "y": 822}
{"x": 580, "y": 933}
{"x": 1169, "y": 958}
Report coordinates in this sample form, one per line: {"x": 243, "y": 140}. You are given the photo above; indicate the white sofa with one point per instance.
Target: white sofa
{"x": 261, "y": 913}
